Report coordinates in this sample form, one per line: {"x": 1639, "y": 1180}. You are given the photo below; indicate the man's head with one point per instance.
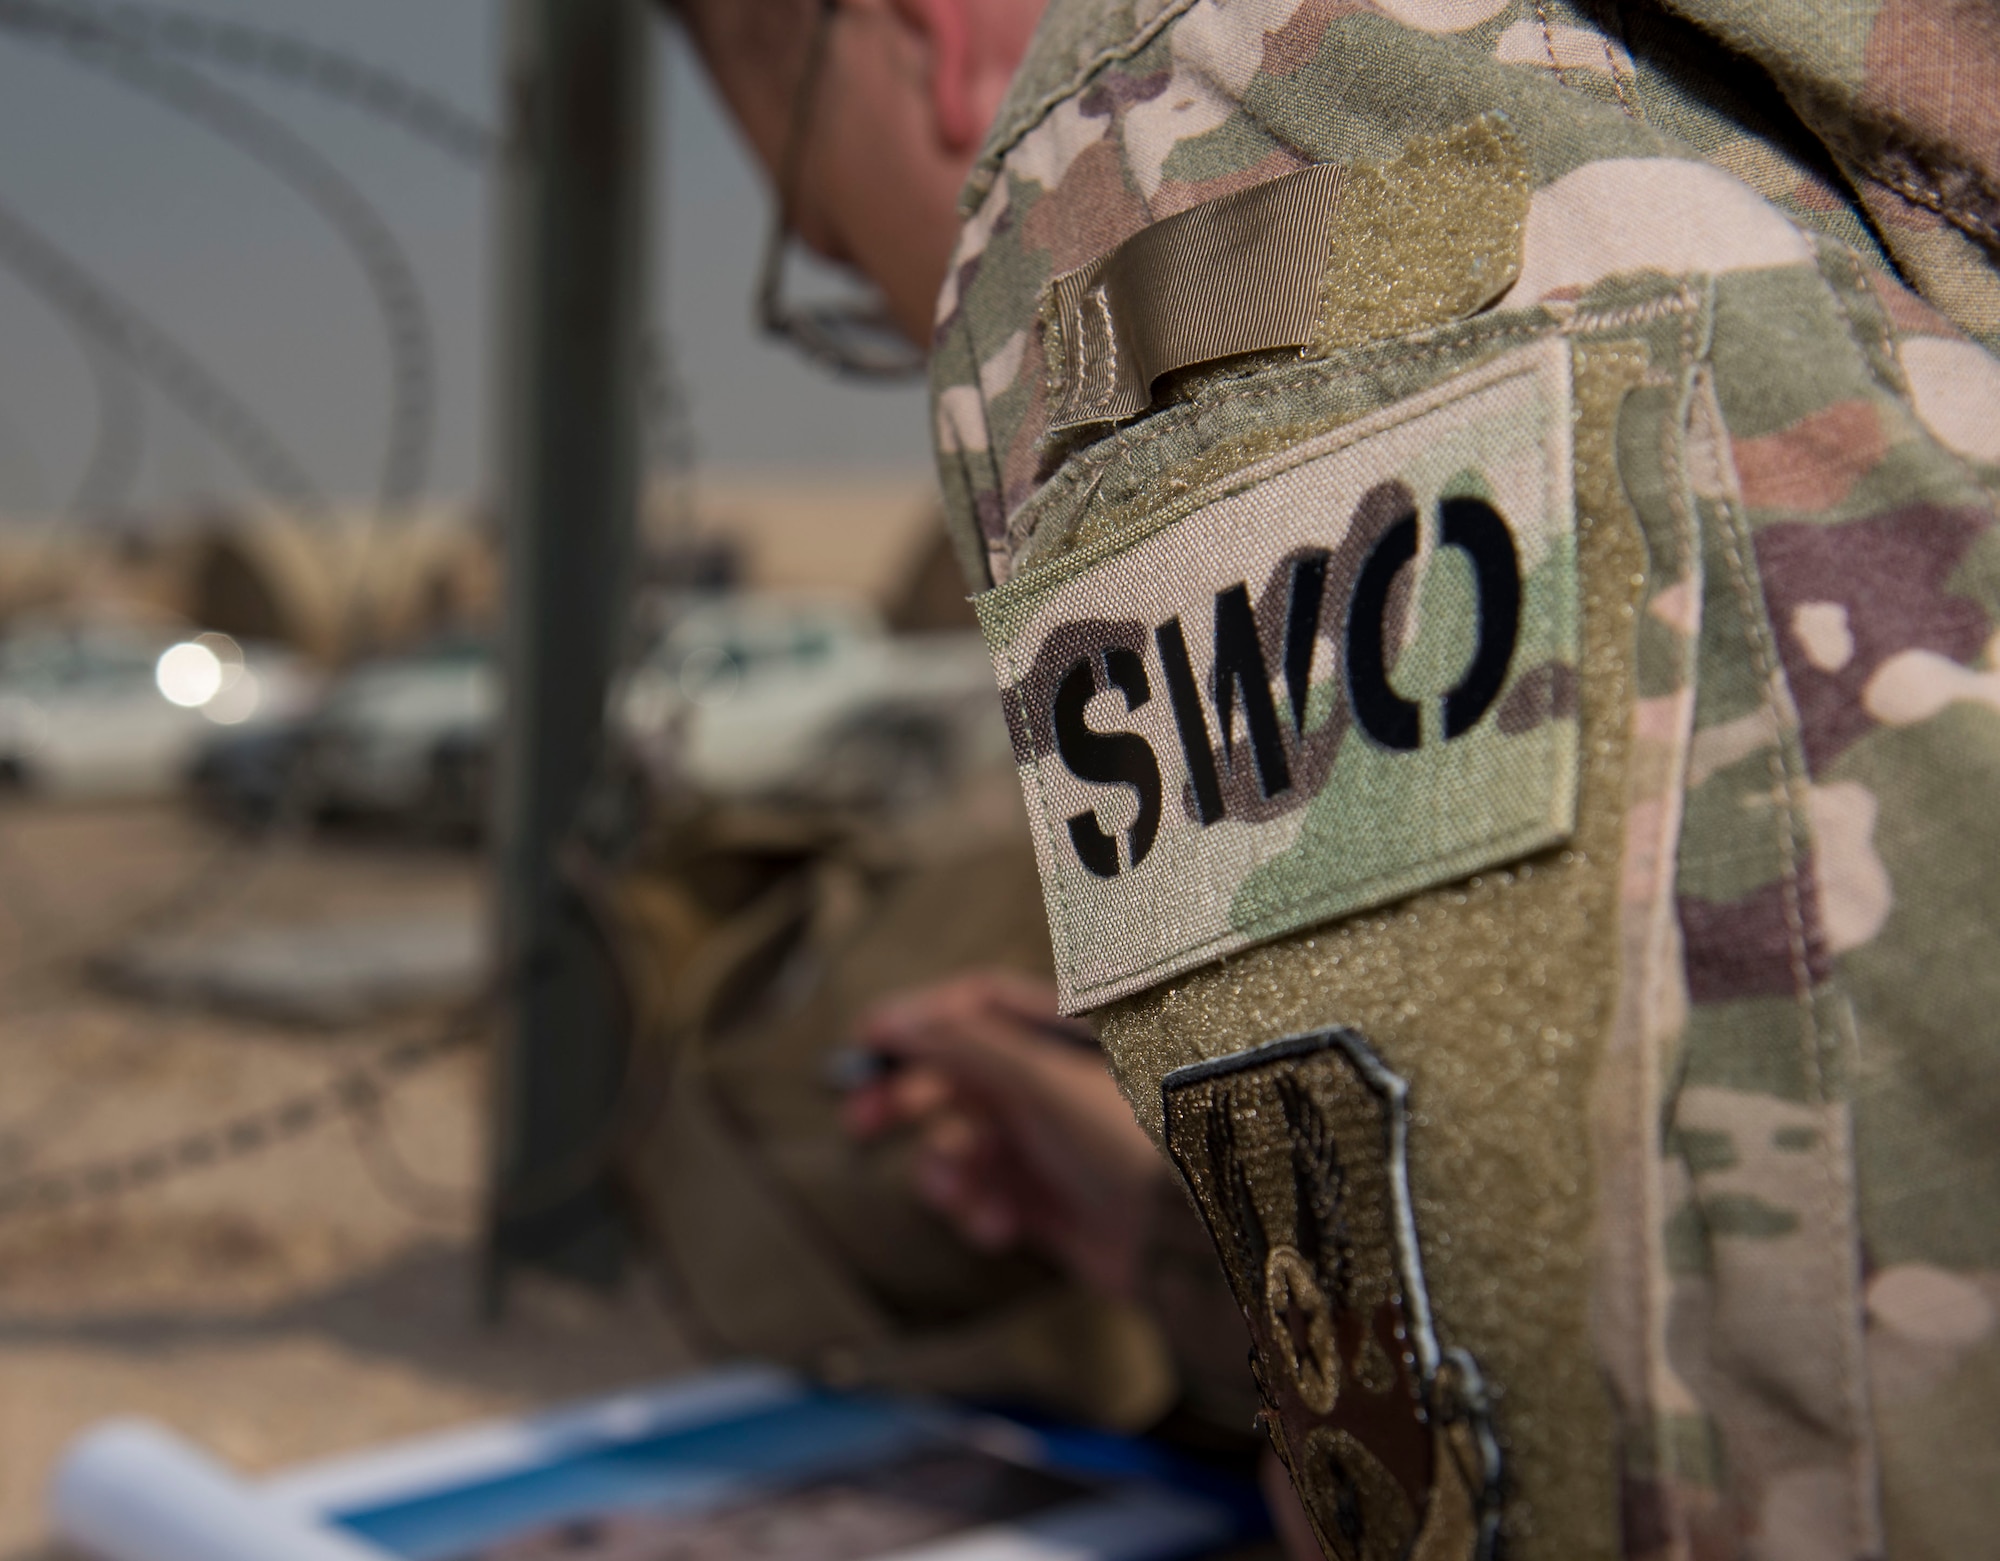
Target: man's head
{"x": 906, "y": 92}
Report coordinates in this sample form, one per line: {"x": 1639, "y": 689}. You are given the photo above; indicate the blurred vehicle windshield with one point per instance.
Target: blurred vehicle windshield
{"x": 775, "y": 697}
{"x": 401, "y": 740}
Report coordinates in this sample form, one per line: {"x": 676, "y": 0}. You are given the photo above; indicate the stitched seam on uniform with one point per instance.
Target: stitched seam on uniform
{"x": 1837, "y": 1180}
{"x": 1688, "y": 530}
{"x": 1017, "y": 680}
{"x": 1877, "y": 156}
{"x": 1163, "y": 423}
{"x": 1784, "y": 788}
{"x": 1683, "y": 302}
{"x": 1110, "y": 337}
{"x": 1277, "y": 137}
{"x": 977, "y": 363}
{"x": 965, "y": 456}
{"x": 983, "y": 546}
{"x": 987, "y": 169}
{"x": 987, "y": 423}
{"x": 1055, "y": 345}
{"x": 1674, "y": 455}
{"x": 1854, "y": 296}
{"x": 1956, "y": 215}
{"x": 1867, "y": 322}
{"x": 1844, "y": 1218}
{"x": 1789, "y": 800}
{"x": 1618, "y": 82}
{"x": 969, "y": 491}
{"x": 1549, "y": 42}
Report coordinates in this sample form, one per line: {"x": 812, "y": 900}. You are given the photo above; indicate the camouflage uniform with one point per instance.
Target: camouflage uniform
{"x": 1623, "y": 1178}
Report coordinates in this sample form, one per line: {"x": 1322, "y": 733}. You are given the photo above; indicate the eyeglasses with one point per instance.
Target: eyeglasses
{"x": 855, "y": 339}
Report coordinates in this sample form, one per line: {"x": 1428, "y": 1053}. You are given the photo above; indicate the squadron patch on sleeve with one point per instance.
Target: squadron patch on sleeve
{"x": 1296, "y": 1155}
{"x": 1341, "y": 674}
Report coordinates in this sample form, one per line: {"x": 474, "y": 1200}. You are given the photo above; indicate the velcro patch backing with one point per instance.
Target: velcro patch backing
{"x": 1342, "y": 674}
{"x": 1319, "y": 259}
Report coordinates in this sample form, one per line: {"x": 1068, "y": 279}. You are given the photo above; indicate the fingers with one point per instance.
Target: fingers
{"x": 985, "y": 1039}
{"x": 964, "y": 1173}
{"x": 918, "y": 1021}
{"x": 966, "y": 1166}
{"x": 1009, "y": 992}
{"x": 905, "y": 1096}
{"x": 983, "y": 1029}
{"x": 1022, "y": 1135}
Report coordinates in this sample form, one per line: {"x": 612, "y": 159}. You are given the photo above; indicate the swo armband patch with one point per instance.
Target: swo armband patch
{"x": 1342, "y": 674}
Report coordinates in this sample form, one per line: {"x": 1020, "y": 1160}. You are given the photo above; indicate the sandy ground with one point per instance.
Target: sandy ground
{"x": 313, "y": 1298}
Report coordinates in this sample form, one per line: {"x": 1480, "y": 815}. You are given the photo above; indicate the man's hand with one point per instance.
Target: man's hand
{"x": 1023, "y": 1135}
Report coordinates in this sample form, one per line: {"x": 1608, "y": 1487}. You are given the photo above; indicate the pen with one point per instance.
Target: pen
{"x": 849, "y": 1068}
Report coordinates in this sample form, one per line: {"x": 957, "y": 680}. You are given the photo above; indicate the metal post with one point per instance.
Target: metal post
{"x": 568, "y": 458}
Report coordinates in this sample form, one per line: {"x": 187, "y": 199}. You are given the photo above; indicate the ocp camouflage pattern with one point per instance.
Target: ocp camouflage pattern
{"x": 1768, "y": 230}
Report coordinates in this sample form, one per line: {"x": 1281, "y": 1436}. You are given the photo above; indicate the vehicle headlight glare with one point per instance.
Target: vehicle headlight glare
{"x": 238, "y": 699}
{"x": 189, "y": 674}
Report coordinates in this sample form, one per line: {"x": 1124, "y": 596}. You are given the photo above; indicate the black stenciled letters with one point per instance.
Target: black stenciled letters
{"x": 1239, "y": 667}
{"x": 1302, "y": 630}
{"x": 1381, "y": 712}
{"x": 1241, "y": 678}
{"x": 1191, "y": 722}
{"x": 1108, "y": 759}
{"x": 1475, "y": 526}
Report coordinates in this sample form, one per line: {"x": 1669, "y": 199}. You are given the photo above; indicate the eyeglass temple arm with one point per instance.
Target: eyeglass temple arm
{"x": 791, "y": 165}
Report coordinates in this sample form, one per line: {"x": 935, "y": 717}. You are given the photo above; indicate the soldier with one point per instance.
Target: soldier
{"x": 1485, "y": 515}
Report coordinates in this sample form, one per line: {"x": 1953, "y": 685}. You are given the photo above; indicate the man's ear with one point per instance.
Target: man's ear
{"x": 958, "y": 105}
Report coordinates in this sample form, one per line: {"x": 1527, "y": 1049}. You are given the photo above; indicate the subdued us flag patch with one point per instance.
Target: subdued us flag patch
{"x": 1339, "y": 675}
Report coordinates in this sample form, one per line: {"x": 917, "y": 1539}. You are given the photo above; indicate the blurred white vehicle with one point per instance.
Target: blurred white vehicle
{"x": 407, "y": 737}
{"x": 768, "y": 697}
{"x": 119, "y": 709}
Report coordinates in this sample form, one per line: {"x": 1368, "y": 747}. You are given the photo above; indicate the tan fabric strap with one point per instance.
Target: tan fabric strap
{"x": 1175, "y": 294}
{"x": 1319, "y": 260}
